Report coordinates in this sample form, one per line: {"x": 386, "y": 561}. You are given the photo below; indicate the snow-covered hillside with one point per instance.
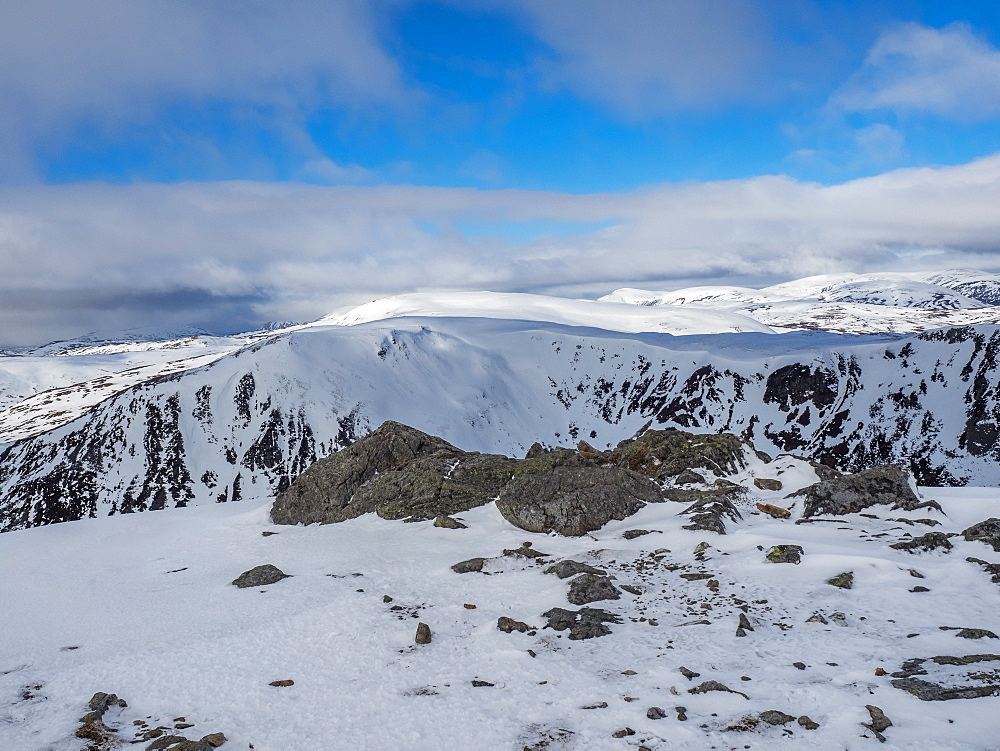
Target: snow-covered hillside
{"x": 142, "y": 606}
{"x": 99, "y": 428}
{"x": 252, "y": 420}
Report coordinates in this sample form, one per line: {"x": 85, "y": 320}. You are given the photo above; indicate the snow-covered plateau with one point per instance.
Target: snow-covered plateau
{"x": 843, "y": 371}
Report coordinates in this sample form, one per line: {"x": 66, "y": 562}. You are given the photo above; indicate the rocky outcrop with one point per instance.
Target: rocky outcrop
{"x": 848, "y": 494}
{"x": 574, "y": 500}
{"x": 987, "y": 532}
{"x": 396, "y": 471}
{"x": 952, "y": 679}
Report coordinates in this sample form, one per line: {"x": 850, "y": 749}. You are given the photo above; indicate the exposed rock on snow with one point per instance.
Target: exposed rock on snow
{"x": 573, "y": 500}
{"x": 852, "y": 493}
{"x": 585, "y": 623}
{"x": 588, "y": 588}
{"x": 785, "y": 554}
{"x": 925, "y": 543}
{"x": 568, "y": 568}
{"x": 985, "y": 531}
{"x": 260, "y": 576}
{"x": 950, "y": 677}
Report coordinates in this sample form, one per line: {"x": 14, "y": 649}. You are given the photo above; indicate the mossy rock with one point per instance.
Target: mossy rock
{"x": 669, "y": 452}
{"x": 843, "y": 580}
{"x": 785, "y": 554}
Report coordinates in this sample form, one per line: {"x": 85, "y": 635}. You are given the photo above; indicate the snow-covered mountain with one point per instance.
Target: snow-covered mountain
{"x": 114, "y": 428}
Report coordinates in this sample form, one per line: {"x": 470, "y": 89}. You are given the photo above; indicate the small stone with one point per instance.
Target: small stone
{"x": 918, "y": 588}
{"x": 601, "y": 705}
{"x": 785, "y": 554}
{"x": 655, "y": 713}
{"x": 622, "y": 733}
{"x": 817, "y": 618}
{"x": 681, "y": 713}
{"x": 214, "y": 739}
{"x": 268, "y": 533}
{"x": 629, "y": 672}
{"x": 630, "y": 698}
{"x": 588, "y": 588}
{"x": 704, "y": 688}
{"x": 183, "y": 725}
{"x": 446, "y": 522}
{"x": 631, "y": 534}
{"x": 630, "y": 589}
{"x": 260, "y": 576}
{"x": 469, "y": 606}
{"x": 975, "y": 633}
{"x": 925, "y": 543}
{"x": 880, "y": 672}
{"x": 916, "y": 574}
{"x": 466, "y": 567}
{"x": 480, "y": 684}
{"x": 507, "y": 625}
{"x": 525, "y": 551}
{"x": 740, "y": 632}
{"x": 879, "y": 721}
{"x": 282, "y": 684}
{"x": 745, "y": 622}
{"x": 808, "y": 724}
{"x": 775, "y": 512}
{"x": 799, "y": 665}
{"x": 774, "y": 717}
{"x": 689, "y": 674}
{"x": 843, "y": 580}
{"x": 386, "y": 598}
{"x": 423, "y": 634}
{"x": 839, "y": 618}
{"x": 165, "y": 742}
{"x": 745, "y": 678}
{"x": 766, "y": 483}
{"x": 568, "y": 568}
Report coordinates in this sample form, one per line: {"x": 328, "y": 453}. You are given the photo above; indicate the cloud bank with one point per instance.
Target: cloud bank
{"x": 230, "y": 255}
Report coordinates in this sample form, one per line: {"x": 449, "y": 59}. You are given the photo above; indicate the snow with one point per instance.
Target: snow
{"x": 147, "y": 602}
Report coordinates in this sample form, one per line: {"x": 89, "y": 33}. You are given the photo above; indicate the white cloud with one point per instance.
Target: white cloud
{"x": 646, "y": 57}
{"x": 81, "y": 257}
{"x": 912, "y": 68}
{"x": 108, "y": 64}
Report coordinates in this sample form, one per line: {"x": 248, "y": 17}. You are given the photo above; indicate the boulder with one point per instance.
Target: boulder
{"x": 766, "y": 483}
{"x": 585, "y": 623}
{"x": 572, "y": 500}
{"x": 843, "y": 580}
{"x": 568, "y": 568}
{"x": 925, "y": 543}
{"x": 848, "y": 494}
{"x": 987, "y": 531}
{"x": 785, "y": 554}
{"x": 260, "y": 576}
{"x": 588, "y": 588}
{"x": 662, "y": 454}
{"x": 467, "y": 567}
{"x": 711, "y": 507}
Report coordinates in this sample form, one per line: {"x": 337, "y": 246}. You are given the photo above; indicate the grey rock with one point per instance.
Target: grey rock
{"x": 844, "y": 580}
{"x": 799, "y": 665}
{"x": 214, "y": 739}
{"x": 568, "y": 568}
{"x": 165, "y": 741}
{"x": 572, "y": 500}
{"x": 774, "y": 717}
{"x": 585, "y": 623}
{"x": 987, "y": 532}
{"x": 705, "y": 687}
{"x": 525, "y": 551}
{"x": 423, "y": 635}
{"x": 671, "y": 452}
{"x": 689, "y": 477}
{"x": 398, "y": 472}
{"x": 785, "y": 554}
{"x": 681, "y": 713}
{"x": 925, "y": 543}
{"x": 745, "y": 622}
{"x": 710, "y": 508}
{"x": 879, "y": 722}
{"x": 766, "y": 483}
{"x": 507, "y": 624}
{"x": 848, "y": 494}
{"x": 631, "y": 534}
{"x": 689, "y": 674}
{"x": 260, "y": 576}
{"x": 807, "y": 723}
{"x": 655, "y": 713}
{"x": 446, "y": 522}
{"x": 957, "y": 683}
{"x": 469, "y": 566}
{"x": 587, "y": 588}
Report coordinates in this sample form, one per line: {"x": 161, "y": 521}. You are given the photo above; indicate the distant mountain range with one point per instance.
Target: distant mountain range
{"x": 851, "y": 370}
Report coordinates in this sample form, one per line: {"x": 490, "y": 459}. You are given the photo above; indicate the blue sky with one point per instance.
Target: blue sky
{"x": 625, "y": 108}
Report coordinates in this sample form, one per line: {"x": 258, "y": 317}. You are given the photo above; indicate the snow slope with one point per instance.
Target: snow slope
{"x": 152, "y": 617}
{"x": 252, "y": 420}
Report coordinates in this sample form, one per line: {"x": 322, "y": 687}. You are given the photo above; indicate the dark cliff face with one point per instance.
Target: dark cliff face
{"x": 251, "y": 422}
